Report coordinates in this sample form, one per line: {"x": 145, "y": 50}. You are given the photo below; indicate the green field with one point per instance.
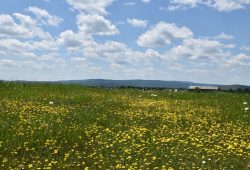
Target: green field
{"x": 53, "y": 126}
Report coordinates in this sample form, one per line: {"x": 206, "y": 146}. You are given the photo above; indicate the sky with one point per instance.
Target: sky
{"x": 205, "y": 41}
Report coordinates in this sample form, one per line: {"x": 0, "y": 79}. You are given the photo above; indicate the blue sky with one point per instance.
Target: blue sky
{"x": 187, "y": 40}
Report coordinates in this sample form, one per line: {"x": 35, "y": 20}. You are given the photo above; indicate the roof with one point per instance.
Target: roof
{"x": 203, "y": 87}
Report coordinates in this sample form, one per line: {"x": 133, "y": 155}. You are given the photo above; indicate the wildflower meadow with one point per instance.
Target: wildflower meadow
{"x": 56, "y": 126}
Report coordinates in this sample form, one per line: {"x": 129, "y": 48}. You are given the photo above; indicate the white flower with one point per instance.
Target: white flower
{"x": 245, "y": 103}
{"x": 203, "y": 162}
{"x": 247, "y": 108}
{"x": 154, "y": 95}
{"x": 51, "y": 103}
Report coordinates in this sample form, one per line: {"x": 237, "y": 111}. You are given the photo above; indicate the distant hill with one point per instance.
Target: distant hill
{"x": 149, "y": 84}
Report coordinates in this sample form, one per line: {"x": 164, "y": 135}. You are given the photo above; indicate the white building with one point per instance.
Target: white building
{"x": 204, "y": 88}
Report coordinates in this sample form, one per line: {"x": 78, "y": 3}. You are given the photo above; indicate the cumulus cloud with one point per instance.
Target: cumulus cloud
{"x": 228, "y": 5}
{"x": 230, "y": 46}
{"x": 7, "y": 63}
{"x": 220, "y": 5}
{"x": 17, "y": 46}
{"x": 90, "y": 6}
{"x": 25, "y": 20}
{"x": 69, "y": 39}
{"x": 238, "y": 60}
{"x": 129, "y": 3}
{"x": 224, "y": 36}
{"x": 114, "y": 52}
{"x": 191, "y": 3}
{"x": 78, "y": 59}
{"x": 2, "y": 53}
{"x": 162, "y": 34}
{"x": 247, "y": 48}
{"x": 199, "y": 49}
{"x": 150, "y": 53}
{"x": 94, "y": 24}
{"x": 137, "y": 22}
{"x": 8, "y": 27}
{"x": 146, "y": 1}
{"x": 44, "y": 17}
{"x": 14, "y": 47}
{"x": 88, "y": 25}
{"x": 26, "y": 28}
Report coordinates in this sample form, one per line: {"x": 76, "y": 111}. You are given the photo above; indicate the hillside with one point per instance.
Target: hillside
{"x": 149, "y": 84}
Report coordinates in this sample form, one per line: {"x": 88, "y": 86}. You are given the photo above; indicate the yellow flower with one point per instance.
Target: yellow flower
{"x": 5, "y": 160}
{"x": 56, "y": 151}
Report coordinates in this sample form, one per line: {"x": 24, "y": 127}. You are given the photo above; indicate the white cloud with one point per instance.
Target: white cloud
{"x": 43, "y": 45}
{"x": 88, "y": 25}
{"x": 220, "y": 5}
{"x": 239, "y": 60}
{"x": 224, "y": 36}
{"x": 26, "y": 28}
{"x": 129, "y": 3}
{"x": 69, "y": 39}
{"x": 115, "y": 66}
{"x": 44, "y": 17}
{"x": 150, "y": 53}
{"x": 230, "y": 46}
{"x": 25, "y": 20}
{"x": 2, "y": 53}
{"x": 8, "y": 27}
{"x": 191, "y": 3}
{"x": 7, "y": 63}
{"x": 138, "y": 23}
{"x": 11, "y": 44}
{"x": 90, "y": 6}
{"x": 228, "y": 5}
{"x": 146, "y": 1}
{"x": 78, "y": 59}
{"x": 52, "y": 59}
{"x": 95, "y": 24}
{"x": 247, "y": 48}
{"x": 199, "y": 49}
{"x": 162, "y": 34}
{"x": 17, "y": 46}
{"x": 114, "y": 52}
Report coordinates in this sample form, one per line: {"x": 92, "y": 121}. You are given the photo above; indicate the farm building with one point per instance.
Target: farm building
{"x": 203, "y": 88}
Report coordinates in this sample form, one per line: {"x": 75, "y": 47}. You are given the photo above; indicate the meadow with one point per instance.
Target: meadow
{"x": 54, "y": 126}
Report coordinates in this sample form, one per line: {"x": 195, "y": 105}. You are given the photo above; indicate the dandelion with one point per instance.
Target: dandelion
{"x": 56, "y": 151}
{"x": 5, "y": 160}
